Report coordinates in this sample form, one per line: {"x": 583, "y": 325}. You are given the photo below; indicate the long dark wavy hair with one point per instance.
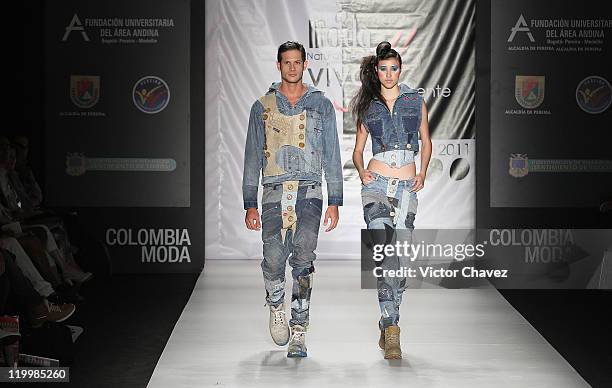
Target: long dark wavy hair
{"x": 370, "y": 85}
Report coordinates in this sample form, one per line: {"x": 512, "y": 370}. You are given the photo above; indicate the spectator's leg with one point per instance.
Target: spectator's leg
{"x": 22, "y": 260}
{"x": 34, "y": 248}
{"x": 21, "y": 286}
{"x": 70, "y": 272}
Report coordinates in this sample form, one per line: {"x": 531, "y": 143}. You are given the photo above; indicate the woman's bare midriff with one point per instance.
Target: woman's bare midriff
{"x": 382, "y": 168}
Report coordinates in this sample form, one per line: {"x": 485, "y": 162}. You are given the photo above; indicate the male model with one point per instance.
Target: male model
{"x": 291, "y": 138}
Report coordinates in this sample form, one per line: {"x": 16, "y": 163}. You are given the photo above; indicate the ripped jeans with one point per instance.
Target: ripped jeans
{"x": 291, "y": 216}
{"x": 389, "y": 204}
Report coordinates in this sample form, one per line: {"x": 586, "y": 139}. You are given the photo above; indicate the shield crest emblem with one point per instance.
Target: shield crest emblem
{"x": 519, "y": 165}
{"x": 75, "y": 164}
{"x": 84, "y": 90}
{"x": 529, "y": 90}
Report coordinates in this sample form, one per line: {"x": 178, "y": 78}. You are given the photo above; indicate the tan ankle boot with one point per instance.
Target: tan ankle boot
{"x": 381, "y": 340}
{"x": 393, "y": 350}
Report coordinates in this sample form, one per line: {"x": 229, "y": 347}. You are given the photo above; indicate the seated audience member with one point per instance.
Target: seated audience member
{"x": 29, "y": 270}
{"x": 37, "y": 309}
{"x": 61, "y": 253}
{"x": 24, "y": 172}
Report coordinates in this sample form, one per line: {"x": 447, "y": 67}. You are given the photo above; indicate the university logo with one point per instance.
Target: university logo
{"x": 84, "y": 90}
{"x": 529, "y": 90}
{"x": 520, "y": 26}
{"x": 75, "y": 25}
{"x": 75, "y": 163}
{"x": 594, "y": 94}
{"x": 151, "y": 94}
{"x": 519, "y": 166}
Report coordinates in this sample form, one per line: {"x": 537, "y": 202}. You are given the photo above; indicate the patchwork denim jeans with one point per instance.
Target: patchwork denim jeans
{"x": 389, "y": 204}
{"x": 291, "y": 216}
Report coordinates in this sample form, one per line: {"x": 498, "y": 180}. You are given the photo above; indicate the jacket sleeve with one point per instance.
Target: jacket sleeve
{"x": 332, "y": 165}
{"x": 253, "y": 158}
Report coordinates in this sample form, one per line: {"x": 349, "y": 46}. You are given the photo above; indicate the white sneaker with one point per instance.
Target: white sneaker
{"x": 279, "y": 328}
{"x": 297, "y": 345}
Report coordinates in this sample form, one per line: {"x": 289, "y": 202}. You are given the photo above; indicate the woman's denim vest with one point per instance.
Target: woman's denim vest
{"x": 397, "y": 130}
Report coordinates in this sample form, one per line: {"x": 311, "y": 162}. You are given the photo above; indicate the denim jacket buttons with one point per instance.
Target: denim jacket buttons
{"x": 289, "y": 143}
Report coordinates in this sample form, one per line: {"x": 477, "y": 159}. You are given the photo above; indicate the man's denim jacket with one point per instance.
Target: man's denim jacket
{"x": 397, "y": 130}
{"x": 320, "y": 152}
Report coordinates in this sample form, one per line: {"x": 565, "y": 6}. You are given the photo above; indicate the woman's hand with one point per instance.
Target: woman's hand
{"x": 366, "y": 177}
{"x": 419, "y": 182}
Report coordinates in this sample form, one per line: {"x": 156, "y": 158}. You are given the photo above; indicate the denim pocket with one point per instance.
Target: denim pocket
{"x": 409, "y": 123}
{"x": 314, "y": 130}
{"x": 290, "y": 159}
{"x": 317, "y": 121}
{"x": 370, "y": 182}
{"x": 271, "y": 220}
{"x": 375, "y": 127}
{"x": 309, "y": 217}
{"x": 269, "y": 208}
{"x": 314, "y": 145}
{"x": 270, "y": 196}
{"x": 313, "y": 161}
{"x": 316, "y": 203}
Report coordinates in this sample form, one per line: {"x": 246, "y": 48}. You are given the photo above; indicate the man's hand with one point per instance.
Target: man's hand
{"x": 331, "y": 215}
{"x": 252, "y": 219}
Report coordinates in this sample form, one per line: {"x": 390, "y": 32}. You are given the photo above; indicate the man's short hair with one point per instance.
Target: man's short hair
{"x": 290, "y": 45}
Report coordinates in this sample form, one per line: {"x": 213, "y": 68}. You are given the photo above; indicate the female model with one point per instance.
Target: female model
{"x": 395, "y": 115}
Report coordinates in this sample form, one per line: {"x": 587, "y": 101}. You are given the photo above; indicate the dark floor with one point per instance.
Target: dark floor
{"x": 577, "y": 323}
{"x": 127, "y": 321}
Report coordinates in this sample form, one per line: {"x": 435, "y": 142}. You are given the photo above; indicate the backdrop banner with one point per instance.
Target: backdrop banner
{"x": 118, "y": 129}
{"x": 436, "y": 42}
{"x": 550, "y": 104}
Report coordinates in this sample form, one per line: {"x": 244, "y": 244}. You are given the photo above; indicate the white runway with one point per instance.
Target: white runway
{"x": 450, "y": 338}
